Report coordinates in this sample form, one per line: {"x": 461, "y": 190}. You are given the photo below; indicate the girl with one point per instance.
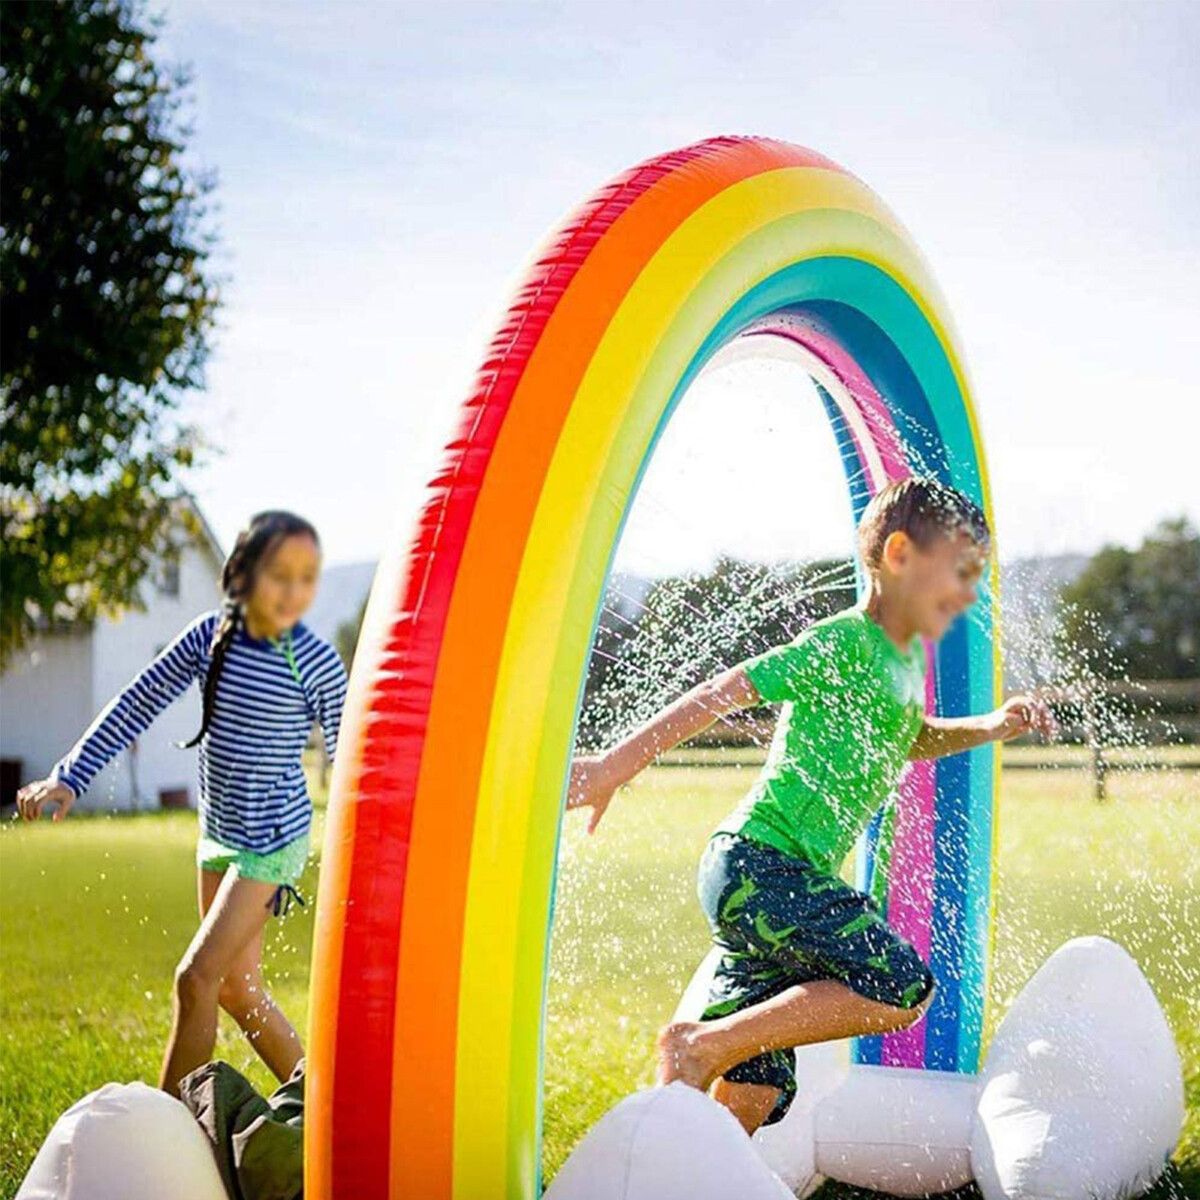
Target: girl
{"x": 266, "y": 677}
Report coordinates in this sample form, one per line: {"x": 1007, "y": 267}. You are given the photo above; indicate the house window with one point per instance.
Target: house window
{"x": 176, "y": 797}
{"x": 169, "y": 581}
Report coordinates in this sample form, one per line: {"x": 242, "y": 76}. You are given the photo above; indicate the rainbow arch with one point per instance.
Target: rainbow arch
{"x": 436, "y": 895}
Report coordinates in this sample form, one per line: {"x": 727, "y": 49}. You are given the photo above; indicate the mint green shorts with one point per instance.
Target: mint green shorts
{"x": 282, "y": 866}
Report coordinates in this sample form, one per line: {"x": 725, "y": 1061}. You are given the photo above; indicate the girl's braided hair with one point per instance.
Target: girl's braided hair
{"x": 253, "y": 547}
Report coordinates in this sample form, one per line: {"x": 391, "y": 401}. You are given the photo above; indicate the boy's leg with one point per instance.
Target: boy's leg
{"x": 751, "y": 1103}
{"x": 828, "y": 963}
{"x": 696, "y": 1052}
{"x": 760, "y": 1089}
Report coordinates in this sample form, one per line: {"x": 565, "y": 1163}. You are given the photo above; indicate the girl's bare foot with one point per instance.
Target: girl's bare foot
{"x": 681, "y": 1056}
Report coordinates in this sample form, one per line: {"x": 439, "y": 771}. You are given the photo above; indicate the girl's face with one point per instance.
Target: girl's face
{"x": 286, "y": 583}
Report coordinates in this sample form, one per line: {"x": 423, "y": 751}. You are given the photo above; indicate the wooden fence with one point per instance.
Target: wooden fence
{"x": 1104, "y": 727}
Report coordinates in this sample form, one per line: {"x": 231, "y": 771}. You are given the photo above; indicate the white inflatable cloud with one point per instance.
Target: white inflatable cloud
{"x": 789, "y": 1147}
{"x": 896, "y": 1130}
{"x": 1082, "y": 1092}
{"x": 1081, "y": 1095}
{"x": 125, "y": 1141}
{"x": 669, "y": 1143}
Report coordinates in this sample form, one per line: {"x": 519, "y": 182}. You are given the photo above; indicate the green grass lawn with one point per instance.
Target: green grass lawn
{"x": 94, "y": 915}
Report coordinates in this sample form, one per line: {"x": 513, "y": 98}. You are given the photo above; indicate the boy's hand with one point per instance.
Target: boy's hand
{"x": 591, "y": 786}
{"x": 1023, "y": 714}
{"x": 33, "y": 797}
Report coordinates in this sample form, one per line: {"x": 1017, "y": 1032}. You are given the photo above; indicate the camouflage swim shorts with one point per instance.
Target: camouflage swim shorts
{"x": 779, "y": 921}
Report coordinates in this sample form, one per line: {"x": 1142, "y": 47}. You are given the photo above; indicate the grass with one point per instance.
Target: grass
{"x": 629, "y": 933}
{"x": 95, "y": 914}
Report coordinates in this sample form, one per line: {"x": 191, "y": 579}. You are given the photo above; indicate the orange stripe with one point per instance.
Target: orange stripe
{"x": 328, "y": 939}
{"x": 435, "y": 891}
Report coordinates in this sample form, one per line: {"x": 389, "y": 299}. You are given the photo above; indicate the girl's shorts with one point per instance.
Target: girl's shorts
{"x": 282, "y": 866}
{"x": 779, "y": 921}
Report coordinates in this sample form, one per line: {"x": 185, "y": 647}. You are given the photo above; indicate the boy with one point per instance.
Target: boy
{"x": 806, "y": 958}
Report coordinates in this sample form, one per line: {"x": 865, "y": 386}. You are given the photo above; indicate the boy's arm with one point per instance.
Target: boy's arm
{"x": 692, "y": 712}
{"x": 594, "y": 779}
{"x": 940, "y": 736}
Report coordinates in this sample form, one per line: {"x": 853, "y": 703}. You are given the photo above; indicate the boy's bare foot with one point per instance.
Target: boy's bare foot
{"x": 681, "y": 1057}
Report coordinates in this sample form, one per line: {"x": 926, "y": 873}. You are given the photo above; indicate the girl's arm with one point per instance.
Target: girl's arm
{"x": 132, "y": 710}
{"x": 330, "y": 687}
{"x": 595, "y": 778}
{"x": 941, "y": 736}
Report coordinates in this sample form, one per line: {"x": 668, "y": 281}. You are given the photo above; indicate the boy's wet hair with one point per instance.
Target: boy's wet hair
{"x": 922, "y": 508}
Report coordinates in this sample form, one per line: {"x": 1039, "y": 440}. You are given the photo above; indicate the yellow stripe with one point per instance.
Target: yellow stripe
{"x": 675, "y": 303}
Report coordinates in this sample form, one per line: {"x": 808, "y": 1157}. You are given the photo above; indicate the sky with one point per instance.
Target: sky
{"x": 384, "y": 171}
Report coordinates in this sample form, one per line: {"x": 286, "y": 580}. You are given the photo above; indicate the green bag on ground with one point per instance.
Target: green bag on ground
{"x": 258, "y": 1144}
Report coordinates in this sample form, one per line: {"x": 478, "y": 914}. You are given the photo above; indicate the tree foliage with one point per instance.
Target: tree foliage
{"x": 345, "y": 638}
{"x": 1136, "y": 613}
{"x": 649, "y": 650}
{"x": 106, "y": 309}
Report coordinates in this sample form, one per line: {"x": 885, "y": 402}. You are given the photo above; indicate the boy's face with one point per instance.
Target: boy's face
{"x": 938, "y": 582}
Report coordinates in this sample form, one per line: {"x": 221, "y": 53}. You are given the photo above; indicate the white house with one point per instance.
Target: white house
{"x": 56, "y": 685}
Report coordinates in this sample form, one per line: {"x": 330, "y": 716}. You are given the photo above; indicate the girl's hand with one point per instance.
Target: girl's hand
{"x": 33, "y": 797}
{"x": 1023, "y": 714}
{"x": 591, "y": 787}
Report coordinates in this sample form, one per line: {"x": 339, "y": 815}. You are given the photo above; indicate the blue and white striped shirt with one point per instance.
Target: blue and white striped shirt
{"x": 253, "y": 794}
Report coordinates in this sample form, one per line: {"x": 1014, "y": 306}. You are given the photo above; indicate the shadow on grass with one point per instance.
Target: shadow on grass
{"x": 1177, "y": 1183}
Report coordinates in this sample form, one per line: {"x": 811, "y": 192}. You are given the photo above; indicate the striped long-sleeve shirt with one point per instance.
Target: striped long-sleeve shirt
{"x": 253, "y": 794}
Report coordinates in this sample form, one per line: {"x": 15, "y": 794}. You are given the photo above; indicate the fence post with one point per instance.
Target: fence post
{"x": 1092, "y": 733}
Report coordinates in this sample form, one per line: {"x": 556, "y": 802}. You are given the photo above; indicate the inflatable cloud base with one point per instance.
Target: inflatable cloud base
{"x": 125, "y": 1141}
{"x": 1081, "y": 1095}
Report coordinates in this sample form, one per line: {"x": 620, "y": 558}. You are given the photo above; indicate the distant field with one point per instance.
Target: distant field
{"x": 1052, "y": 758}
{"x": 94, "y": 914}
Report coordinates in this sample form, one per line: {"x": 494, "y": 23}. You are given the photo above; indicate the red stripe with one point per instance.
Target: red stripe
{"x": 402, "y": 688}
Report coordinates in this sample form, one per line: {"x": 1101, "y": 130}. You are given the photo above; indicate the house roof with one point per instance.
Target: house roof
{"x": 208, "y": 542}
{"x": 212, "y": 543}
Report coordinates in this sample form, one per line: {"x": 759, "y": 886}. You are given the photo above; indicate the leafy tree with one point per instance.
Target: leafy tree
{"x": 106, "y": 309}
{"x": 345, "y": 639}
{"x": 1136, "y": 613}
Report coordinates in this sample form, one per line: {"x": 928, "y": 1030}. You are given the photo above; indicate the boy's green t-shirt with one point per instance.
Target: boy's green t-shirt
{"x": 853, "y": 706}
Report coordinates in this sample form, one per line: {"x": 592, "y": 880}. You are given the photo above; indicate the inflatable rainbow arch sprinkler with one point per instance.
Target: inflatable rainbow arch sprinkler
{"x": 437, "y": 887}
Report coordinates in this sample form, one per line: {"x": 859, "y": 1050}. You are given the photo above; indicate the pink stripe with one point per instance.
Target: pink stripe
{"x": 911, "y": 873}
{"x": 870, "y": 404}
{"x": 910, "y": 878}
